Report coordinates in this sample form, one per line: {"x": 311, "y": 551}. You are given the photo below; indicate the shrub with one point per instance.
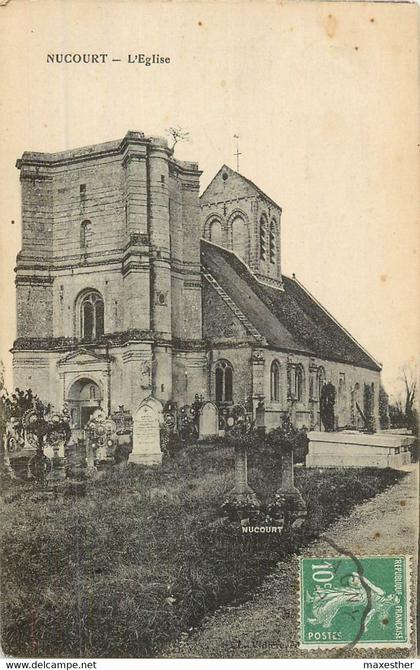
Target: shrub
{"x": 384, "y": 420}
{"x": 287, "y": 434}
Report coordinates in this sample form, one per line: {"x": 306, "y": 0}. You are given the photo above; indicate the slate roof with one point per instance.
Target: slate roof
{"x": 289, "y": 319}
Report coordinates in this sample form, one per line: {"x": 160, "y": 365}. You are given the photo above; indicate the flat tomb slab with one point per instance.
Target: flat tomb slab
{"x": 355, "y": 437}
{"x": 351, "y": 449}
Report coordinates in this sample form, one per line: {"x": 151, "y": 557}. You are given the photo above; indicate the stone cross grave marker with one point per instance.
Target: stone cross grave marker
{"x": 260, "y": 415}
{"x": 241, "y": 502}
{"x": 209, "y": 420}
{"x": 288, "y": 502}
{"x": 241, "y": 471}
{"x": 146, "y": 433}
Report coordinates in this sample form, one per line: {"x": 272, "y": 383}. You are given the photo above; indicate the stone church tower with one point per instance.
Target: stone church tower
{"x": 238, "y": 216}
{"x": 108, "y": 278}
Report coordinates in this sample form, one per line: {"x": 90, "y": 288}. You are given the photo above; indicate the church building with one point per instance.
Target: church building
{"x": 130, "y": 285}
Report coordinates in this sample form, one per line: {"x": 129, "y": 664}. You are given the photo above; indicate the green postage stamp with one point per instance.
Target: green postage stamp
{"x": 354, "y": 601}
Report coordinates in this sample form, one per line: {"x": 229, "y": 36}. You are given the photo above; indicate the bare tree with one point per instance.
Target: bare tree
{"x": 410, "y": 379}
{"x": 404, "y": 411}
{"x": 177, "y": 134}
{"x": 384, "y": 418}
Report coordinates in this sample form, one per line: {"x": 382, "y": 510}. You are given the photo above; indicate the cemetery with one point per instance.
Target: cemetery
{"x": 119, "y": 538}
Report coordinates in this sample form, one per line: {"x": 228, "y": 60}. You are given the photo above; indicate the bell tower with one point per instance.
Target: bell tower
{"x": 239, "y": 216}
{"x": 108, "y": 278}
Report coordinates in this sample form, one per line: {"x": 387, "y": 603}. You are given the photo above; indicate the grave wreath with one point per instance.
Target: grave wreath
{"x": 38, "y": 426}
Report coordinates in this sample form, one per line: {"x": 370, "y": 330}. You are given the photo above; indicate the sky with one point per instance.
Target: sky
{"x": 323, "y": 96}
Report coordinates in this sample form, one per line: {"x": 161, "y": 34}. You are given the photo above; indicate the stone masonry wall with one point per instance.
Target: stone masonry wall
{"x": 34, "y": 309}
{"x": 230, "y": 196}
{"x": 37, "y": 194}
{"x": 333, "y": 370}
{"x": 89, "y": 191}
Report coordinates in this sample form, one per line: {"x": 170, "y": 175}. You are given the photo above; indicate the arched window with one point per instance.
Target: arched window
{"x": 239, "y": 237}
{"x": 263, "y": 238}
{"x": 215, "y": 232}
{"x": 91, "y": 316}
{"x": 84, "y": 233}
{"x": 275, "y": 381}
{"x": 273, "y": 235}
{"x": 299, "y": 383}
{"x": 223, "y": 381}
{"x": 295, "y": 382}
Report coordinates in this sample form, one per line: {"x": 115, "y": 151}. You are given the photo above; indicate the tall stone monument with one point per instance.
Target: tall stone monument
{"x": 288, "y": 503}
{"x": 241, "y": 502}
{"x": 146, "y": 433}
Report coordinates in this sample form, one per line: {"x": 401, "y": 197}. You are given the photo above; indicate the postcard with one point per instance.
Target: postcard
{"x": 210, "y": 335}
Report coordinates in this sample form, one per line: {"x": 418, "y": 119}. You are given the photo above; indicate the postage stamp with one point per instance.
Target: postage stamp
{"x": 347, "y": 601}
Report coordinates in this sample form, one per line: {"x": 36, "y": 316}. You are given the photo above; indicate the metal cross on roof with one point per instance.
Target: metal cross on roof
{"x": 238, "y": 153}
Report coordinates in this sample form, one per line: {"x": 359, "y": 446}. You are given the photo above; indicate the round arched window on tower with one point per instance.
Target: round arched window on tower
{"x": 273, "y": 235}
{"x": 263, "y": 238}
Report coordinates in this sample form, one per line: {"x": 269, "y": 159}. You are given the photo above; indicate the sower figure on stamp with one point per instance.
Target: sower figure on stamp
{"x": 358, "y": 592}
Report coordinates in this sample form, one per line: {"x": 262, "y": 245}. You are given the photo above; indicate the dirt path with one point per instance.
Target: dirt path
{"x": 266, "y": 625}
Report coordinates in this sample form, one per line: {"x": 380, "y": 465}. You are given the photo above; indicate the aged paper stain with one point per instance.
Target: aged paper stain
{"x": 331, "y": 25}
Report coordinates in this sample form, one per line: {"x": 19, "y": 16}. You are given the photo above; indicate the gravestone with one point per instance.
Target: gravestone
{"x": 241, "y": 502}
{"x": 208, "y": 421}
{"x": 288, "y": 503}
{"x": 187, "y": 426}
{"x": 146, "y": 433}
{"x": 54, "y": 449}
{"x": 124, "y": 426}
{"x": 260, "y": 417}
{"x": 101, "y": 434}
{"x": 15, "y": 456}
{"x": 241, "y": 471}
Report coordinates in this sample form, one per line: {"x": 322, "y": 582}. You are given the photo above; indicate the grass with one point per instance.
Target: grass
{"x": 144, "y": 555}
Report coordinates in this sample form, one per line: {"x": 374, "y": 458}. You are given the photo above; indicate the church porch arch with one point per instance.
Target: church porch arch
{"x": 83, "y": 395}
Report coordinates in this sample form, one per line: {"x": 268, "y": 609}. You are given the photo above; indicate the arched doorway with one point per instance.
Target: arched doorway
{"x": 83, "y": 398}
